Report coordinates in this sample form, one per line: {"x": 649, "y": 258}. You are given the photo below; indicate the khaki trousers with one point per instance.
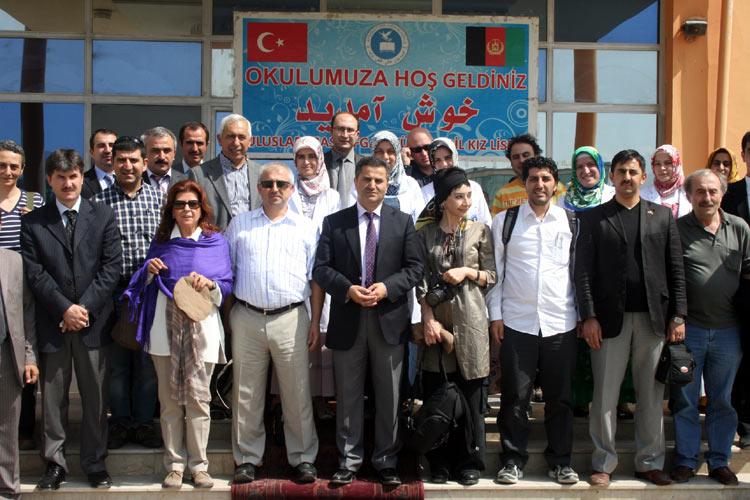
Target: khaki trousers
{"x": 185, "y": 428}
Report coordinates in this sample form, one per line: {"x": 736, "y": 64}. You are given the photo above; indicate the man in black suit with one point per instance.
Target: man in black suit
{"x": 735, "y": 202}
{"x": 101, "y": 175}
{"x": 160, "y": 150}
{"x": 230, "y": 179}
{"x": 341, "y": 159}
{"x": 193, "y": 137}
{"x": 630, "y": 286}
{"x": 367, "y": 260}
{"x": 72, "y": 256}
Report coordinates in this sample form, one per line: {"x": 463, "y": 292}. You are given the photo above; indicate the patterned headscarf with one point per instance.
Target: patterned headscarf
{"x": 397, "y": 172}
{"x": 666, "y": 189}
{"x": 443, "y": 142}
{"x": 577, "y": 197}
{"x": 734, "y": 174}
{"x": 312, "y": 186}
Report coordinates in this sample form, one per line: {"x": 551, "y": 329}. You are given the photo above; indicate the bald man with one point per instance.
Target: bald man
{"x": 416, "y": 155}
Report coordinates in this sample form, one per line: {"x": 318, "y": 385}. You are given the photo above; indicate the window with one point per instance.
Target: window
{"x": 41, "y": 65}
{"x": 518, "y": 8}
{"x": 607, "y": 21}
{"x": 163, "y": 17}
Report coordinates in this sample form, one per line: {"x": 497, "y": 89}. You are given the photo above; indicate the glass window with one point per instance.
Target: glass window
{"x": 222, "y": 72}
{"x": 607, "y": 21}
{"x": 41, "y": 65}
{"x": 64, "y": 16}
{"x": 383, "y": 6}
{"x": 520, "y": 8}
{"x": 132, "y": 119}
{"x": 541, "y": 130}
{"x": 605, "y": 76}
{"x": 163, "y": 17}
{"x": 147, "y": 68}
{"x": 220, "y": 115}
{"x": 542, "y": 75}
{"x": 608, "y": 132}
{"x": 223, "y": 22}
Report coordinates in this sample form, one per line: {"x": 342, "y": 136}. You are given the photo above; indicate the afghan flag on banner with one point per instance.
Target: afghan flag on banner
{"x": 491, "y": 46}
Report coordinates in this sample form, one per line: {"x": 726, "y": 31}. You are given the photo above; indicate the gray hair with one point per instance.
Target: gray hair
{"x": 276, "y": 166}
{"x": 234, "y": 118}
{"x": 13, "y": 147}
{"x": 701, "y": 174}
{"x": 158, "y": 132}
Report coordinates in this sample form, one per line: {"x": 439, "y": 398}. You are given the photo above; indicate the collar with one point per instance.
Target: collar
{"x": 186, "y": 168}
{"x": 693, "y": 219}
{"x": 176, "y": 233}
{"x": 138, "y": 191}
{"x": 260, "y": 212}
{"x": 554, "y": 212}
{"x": 101, "y": 174}
{"x": 335, "y": 155}
{"x": 62, "y": 208}
{"x": 152, "y": 175}
{"x": 361, "y": 210}
{"x": 227, "y": 164}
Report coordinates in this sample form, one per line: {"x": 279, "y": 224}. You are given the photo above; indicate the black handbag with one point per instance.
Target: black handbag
{"x": 676, "y": 364}
{"x": 431, "y": 425}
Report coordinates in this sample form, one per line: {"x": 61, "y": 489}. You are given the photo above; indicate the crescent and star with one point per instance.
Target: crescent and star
{"x": 262, "y": 36}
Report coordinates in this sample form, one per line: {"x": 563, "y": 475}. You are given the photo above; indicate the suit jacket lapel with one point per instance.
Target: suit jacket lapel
{"x": 217, "y": 179}
{"x": 742, "y": 209}
{"x": 55, "y": 223}
{"x": 352, "y": 237}
{"x": 610, "y": 212}
{"x": 83, "y": 222}
{"x": 385, "y": 228}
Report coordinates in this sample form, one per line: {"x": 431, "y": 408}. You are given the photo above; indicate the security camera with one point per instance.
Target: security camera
{"x": 695, "y": 27}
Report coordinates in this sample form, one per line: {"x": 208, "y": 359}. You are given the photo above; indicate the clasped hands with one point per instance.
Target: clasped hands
{"x": 367, "y": 297}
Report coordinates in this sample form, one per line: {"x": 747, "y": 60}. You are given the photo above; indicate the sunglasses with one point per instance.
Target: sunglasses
{"x": 281, "y": 185}
{"x": 419, "y": 149}
{"x": 192, "y": 204}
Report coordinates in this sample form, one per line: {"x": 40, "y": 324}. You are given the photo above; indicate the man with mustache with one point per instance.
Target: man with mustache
{"x": 626, "y": 316}
{"x": 716, "y": 252}
{"x": 194, "y": 143}
{"x": 160, "y": 150}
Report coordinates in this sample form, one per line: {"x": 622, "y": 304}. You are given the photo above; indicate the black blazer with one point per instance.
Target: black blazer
{"x": 338, "y": 266}
{"x": 91, "y": 186}
{"x": 176, "y": 177}
{"x": 601, "y": 260}
{"x": 60, "y": 276}
{"x": 735, "y": 200}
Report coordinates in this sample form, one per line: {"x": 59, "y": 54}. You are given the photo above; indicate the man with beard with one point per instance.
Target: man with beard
{"x": 160, "y": 151}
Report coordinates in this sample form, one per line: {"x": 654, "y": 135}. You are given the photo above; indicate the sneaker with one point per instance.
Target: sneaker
{"x": 173, "y": 480}
{"x": 201, "y": 479}
{"x": 563, "y": 474}
{"x": 509, "y": 474}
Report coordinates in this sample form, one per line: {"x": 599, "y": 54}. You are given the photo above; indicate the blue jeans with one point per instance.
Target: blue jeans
{"x": 132, "y": 387}
{"x": 717, "y": 356}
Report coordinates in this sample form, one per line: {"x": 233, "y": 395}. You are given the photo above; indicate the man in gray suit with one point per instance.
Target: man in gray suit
{"x": 341, "y": 159}
{"x": 17, "y": 363}
{"x": 160, "y": 150}
{"x": 230, "y": 179}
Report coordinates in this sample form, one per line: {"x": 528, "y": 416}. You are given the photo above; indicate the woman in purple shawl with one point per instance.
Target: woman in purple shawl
{"x": 184, "y": 351}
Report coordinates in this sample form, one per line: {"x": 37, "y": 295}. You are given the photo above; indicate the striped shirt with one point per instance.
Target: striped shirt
{"x": 10, "y": 222}
{"x": 236, "y": 180}
{"x": 272, "y": 260}
{"x": 137, "y": 218}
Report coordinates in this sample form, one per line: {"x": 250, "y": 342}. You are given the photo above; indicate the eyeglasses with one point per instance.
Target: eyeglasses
{"x": 418, "y": 149}
{"x": 280, "y": 185}
{"x": 181, "y": 204}
{"x": 719, "y": 163}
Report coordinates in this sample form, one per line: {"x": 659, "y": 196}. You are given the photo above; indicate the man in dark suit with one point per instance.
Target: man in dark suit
{"x": 230, "y": 179}
{"x": 735, "y": 202}
{"x": 100, "y": 176}
{"x": 630, "y": 286}
{"x": 18, "y": 364}
{"x": 72, "y": 255}
{"x": 367, "y": 260}
{"x": 193, "y": 137}
{"x": 341, "y": 159}
{"x": 160, "y": 150}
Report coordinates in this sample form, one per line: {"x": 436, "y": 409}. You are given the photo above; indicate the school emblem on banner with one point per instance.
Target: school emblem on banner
{"x": 386, "y": 44}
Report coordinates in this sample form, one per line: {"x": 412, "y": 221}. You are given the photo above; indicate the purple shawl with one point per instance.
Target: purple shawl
{"x": 208, "y": 256}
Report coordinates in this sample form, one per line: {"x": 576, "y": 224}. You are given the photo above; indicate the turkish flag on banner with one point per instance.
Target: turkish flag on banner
{"x": 277, "y": 42}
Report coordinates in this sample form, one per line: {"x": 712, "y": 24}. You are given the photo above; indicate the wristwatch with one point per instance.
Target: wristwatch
{"x": 678, "y": 320}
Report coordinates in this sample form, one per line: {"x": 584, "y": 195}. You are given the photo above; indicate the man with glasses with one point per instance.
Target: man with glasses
{"x": 416, "y": 155}
{"x": 341, "y": 159}
{"x": 272, "y": 250}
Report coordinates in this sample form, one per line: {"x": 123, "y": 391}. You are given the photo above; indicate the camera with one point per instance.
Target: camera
{"x": 442, "y": 292}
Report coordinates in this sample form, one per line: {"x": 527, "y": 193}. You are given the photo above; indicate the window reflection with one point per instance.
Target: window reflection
{"x": 523, "y": 8}
{"x": 607, "y": 21}
{"x": 222, "y": 72}
{"x": 542, "y": 82}
{"x": 541, "y": 129}
{"x": 147, "y": 68}
{"x": 41, "y": 65}
{"x": 224, "y": 10}
{"x": 605, "y": 76}
{"x": 163, "y": 17}
{"x": 42, "y": 15}
{"x": 133, "y": 119}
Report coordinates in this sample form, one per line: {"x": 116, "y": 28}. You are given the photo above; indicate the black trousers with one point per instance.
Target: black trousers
{"x": 457, "y": 455}
{"x": 28, "y": 411}
{"x": 521, "y": 355}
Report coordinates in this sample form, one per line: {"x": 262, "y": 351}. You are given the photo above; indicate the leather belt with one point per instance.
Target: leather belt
{"x": 269, "y": 312}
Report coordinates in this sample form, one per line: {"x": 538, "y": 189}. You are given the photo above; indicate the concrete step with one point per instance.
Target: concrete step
{"x": 128, "y": 487}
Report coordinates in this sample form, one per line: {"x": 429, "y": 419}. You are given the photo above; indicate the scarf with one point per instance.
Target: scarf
{"x": 395, "y": 174}
{"x": 188, "y": 378}
{"x": 443, "y": 142}
{"x": 431, "y": 212}
{"x": 733, "y": 172}
{"x": 577, "y": 197}
{"x": 666, "y": 189}
{"x": 312, "y": 186}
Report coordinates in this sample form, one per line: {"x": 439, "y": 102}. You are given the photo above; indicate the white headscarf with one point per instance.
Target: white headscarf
{"x": 319, "y": 183}
{"x": 443, "y": 142}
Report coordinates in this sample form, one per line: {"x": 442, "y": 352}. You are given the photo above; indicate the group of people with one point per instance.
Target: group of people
{"x": 355, "y": 267}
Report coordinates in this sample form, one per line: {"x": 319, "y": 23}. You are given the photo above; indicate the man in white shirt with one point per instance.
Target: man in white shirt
{"x": 533, "y": 318}
{"x": 273, "y": 250}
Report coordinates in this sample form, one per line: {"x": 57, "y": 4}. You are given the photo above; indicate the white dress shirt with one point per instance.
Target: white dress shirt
{"x": 537, "y": 292}
{"x": 479, "y": 211}
{"x": 272, "y": 260}
{"x": 364, "y": 221}
{"x": 211, "y": 339}
{"x": 62, "y": 209}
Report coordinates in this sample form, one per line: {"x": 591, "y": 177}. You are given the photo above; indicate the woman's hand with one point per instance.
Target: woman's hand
{"x": 431, "y": 329}
{"x": 200, "y": 282}
{"x": 456, "y": 275}
{"x": 155, "y": 265}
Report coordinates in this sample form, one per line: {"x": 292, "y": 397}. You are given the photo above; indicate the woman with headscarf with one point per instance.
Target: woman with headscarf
{"x": 667, "y": 189}
{"x": 588, "y": 187}
{"x": 723, "y": 163}
{"x": 443, "y": 154}
{"x": 459, "y": 257}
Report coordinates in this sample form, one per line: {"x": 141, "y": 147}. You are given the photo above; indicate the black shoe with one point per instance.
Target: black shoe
{"x": 100, "y": 479}
{"x": 118, "y": 436}
{"x": 53, "y": 477}
{"x": 147, "y": 435}
{"x": 305, "y": 473}
{"x": 581, "y": 412}
{"x": 468, "y": 477}
{"x": 389, "y": 477}
{"x": 342, "y": 476}
{"x": 439, "y": 475}
{"x": 244, "y": 473}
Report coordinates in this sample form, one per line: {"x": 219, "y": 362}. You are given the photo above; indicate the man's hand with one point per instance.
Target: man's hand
{"x": 313, "y": 337}
{"x": 406, "y": 156}
{"x": 378, "y": 291}
{"x": 30, "y": 374}
{"x": 360, "y": 295}
{"x": 75, "y": 318}
{"x": 497, "y": 330}
{"x": 676, "y": 333}
{"x": 592, "y": 333}
{"x": 431, "y": 329}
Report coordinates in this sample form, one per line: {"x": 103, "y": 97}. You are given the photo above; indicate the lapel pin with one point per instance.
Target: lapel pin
{"x": 650, "y": 211}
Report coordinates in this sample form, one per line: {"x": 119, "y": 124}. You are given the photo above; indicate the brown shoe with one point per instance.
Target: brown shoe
{"x": 600, "y": 479}
{"x": 682, "y": 474}
{"x": 656, "y": 476}
{"x": 724, "y": 475}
